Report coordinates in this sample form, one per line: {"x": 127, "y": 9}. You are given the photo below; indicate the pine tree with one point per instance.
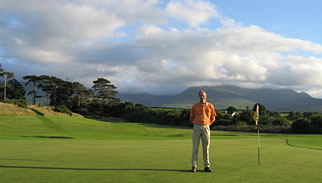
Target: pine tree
{"x": 105, "y": 91}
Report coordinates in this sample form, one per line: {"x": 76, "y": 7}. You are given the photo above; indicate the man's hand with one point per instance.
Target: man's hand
{"x": 213, "y": 120}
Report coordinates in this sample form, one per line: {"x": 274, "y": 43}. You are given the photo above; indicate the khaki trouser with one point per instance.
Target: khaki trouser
{"x": 202, "y": 131}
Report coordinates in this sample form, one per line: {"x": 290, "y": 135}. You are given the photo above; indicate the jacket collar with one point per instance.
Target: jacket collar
{"x": 204, "y": 103}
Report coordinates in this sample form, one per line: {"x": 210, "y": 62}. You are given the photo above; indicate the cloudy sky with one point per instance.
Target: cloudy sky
{"x": 165, "y": 46}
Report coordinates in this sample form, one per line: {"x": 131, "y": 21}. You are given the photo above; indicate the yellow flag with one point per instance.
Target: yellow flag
{"x": 256, "y": 115}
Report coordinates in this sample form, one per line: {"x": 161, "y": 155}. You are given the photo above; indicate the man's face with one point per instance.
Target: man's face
{"x": 202, "y": 97}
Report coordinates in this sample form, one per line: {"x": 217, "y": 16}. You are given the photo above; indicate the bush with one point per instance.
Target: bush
{"x": 19, "y": 102}
{"x": 266, "y": 120}
{"x": 300, "y": 126}
{"x": 231, "y": 110}
{"x": 316, "y": 120}
{"x": 63, "y": 109}
{"x": 241, "y": 123}
{"x": 246, "y": 116}
{"x": 281, "y": 121}
{"x": 224, "y": 122}
{"x": 83, "y": 111}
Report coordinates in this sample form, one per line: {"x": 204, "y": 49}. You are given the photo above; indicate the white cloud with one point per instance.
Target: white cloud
{"x": 191, "y": 11}
{"x": 135, "y": 44}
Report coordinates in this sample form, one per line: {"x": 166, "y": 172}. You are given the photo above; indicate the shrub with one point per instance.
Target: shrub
{"x": 63, "y": 109}
{"x": 19, "y": 102}
{"x": 300, "y": 126}
{"x": 266, "y": 120}
{"x": 83, "y": 111}
{"x": 317, "y": 121}
{"x": 246, "y": 116}
{"x": 281, "y": 121}
{"x": 231, "y": 110}
{"x": 241, "y": 123}
{"x": 224, "y": 122}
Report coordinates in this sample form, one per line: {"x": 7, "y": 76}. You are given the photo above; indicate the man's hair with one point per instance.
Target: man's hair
{"x": 202, "y": 91}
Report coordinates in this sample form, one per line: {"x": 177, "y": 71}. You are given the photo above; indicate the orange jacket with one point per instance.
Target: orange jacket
{"x": 203, "y": 113}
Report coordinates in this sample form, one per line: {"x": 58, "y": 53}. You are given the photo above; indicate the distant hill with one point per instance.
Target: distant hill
{"x": 227, "y": 95}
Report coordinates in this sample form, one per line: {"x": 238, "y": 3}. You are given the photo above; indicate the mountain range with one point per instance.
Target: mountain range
{"x": 283, "y": 100}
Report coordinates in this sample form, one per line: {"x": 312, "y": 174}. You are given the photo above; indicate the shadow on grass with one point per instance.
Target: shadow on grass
{"x": 95, "y": 169}
{"x": 11, "y": 159}
{"x": 37, "y": 112}
{"x": 48, "y": 122}
{"x": 51, "y": 137}
{"x": 291, "y": 145}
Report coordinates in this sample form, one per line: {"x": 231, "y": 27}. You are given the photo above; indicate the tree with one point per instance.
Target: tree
{"x": 49, "y": 85}
{"x": 300, "y": 126}
{"x": 262, "y": 109}
{"x": 231, "y": 110}
{"x": 15, "y": 90}
{"x": 225, "y": 119}
{"x": 294, "y": 115}
{"x": 280, "y": 121}
{"x": 6, "y": 75}
{"x": 1, "y": 73}
{"x": 60, "y": 91}
{"x": 44, "y": 84}
{"x": 35, "y": 80}
{"x": 105, "y": 91}
{"x": 316, "y": 120}
{"x": 88, "y": 96}
{"x": 246, "y": 116}
{"x": 80, "y": 91}
{"x": 64, "y": 92}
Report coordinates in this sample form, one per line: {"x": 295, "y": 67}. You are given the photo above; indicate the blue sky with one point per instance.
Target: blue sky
{"x": 297, "y": 19}
{"x": 164, "y": 47}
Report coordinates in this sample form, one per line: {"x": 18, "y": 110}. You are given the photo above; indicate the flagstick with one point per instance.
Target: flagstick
{"x": 259, "y": 159}
{"x": 256, "y": 117}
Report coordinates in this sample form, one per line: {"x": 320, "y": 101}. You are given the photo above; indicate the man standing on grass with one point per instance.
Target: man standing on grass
{"x": 202, "y": 116}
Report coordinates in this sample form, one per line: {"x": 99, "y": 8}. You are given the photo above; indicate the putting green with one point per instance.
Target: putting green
{"x": 73, "y": 149}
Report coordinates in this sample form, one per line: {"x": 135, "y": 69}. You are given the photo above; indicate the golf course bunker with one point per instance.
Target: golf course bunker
{"x": 51, "y": 137}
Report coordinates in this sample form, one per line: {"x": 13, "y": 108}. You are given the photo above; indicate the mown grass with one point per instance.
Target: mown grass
{"x": 36, "y": 149}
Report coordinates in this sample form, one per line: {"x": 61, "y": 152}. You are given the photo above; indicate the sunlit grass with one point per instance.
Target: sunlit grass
{"x": 53, "y": 149}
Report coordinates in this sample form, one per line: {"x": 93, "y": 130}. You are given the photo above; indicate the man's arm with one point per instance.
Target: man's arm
{"x": 192, "y": 114}
{"x": 191, "y": 119}
{"x": 213, "y": 119}
{"x": 213, "y": 116}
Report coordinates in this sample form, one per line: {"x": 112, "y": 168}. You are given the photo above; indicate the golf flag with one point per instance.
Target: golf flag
{"x": 256, "y": 115}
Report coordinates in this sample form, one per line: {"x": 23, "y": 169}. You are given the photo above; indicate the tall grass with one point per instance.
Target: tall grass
{"x": 30, "y": 110}
{"x": 14, "y": 109}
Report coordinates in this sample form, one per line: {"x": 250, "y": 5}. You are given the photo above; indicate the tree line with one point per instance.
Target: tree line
{"x": 60, "y": 94}
{"x": 10, "y": 88}
{"x": 100, "y": 101}
{"x": 269, "y": 121}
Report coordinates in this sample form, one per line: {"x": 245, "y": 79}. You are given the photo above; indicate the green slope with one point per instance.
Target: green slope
{"x": 36, "y": 127}
{"x": 59, "y": 149}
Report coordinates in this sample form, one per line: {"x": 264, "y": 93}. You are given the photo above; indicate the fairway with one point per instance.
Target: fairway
{"x": 75, "y": 149}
